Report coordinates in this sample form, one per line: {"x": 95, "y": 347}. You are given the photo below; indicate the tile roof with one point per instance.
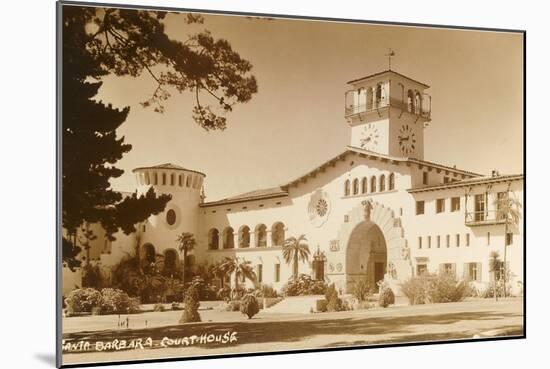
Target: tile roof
{"x": 169, "y": 166}
{"x": 470, "y": 182}
{"x": 387, "y": 71}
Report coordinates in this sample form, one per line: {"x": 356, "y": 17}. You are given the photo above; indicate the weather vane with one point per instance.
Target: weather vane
{"x": 389, "y": 55}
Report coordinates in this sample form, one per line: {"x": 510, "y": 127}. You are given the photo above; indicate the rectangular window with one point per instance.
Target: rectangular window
{"x": 455, "y": 203}
{"x": 479, "y": 212}
{"x": 467, "y": 239}
{"x": 448, "y": 240}
{"x": 277, "y": 272}
{"x": 509, "y": 238}
{"x": 445, "y": 179}
{"x": 472, "y": 271}
{"x": 419, "y": 207}
{"x": 425, "y": 178}
{"x": 421, "y": 269}
{"x": 420, "y": 242}
{"x": 448, "y": 268}
{"x": 429, "y": 242}
{"x": 440, "y": 205}
{"x": 438, "y": 241}
{"x": 457, "y": 240}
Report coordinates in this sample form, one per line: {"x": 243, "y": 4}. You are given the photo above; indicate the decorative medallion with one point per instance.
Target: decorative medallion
{"x": 339, "y": 267}
{"x": 331, "y": 267}
{"x": 318, "y": 208}
{"x": 334, "y": 245}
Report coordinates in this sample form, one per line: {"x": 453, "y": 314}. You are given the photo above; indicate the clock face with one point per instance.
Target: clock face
{"x": 369, "y": 137}
{"x": 406, "y": 139}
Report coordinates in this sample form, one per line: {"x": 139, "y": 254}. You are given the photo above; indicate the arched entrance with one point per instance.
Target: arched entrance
{"x": 366, "y": 255}
{"x": 365, "y": 222}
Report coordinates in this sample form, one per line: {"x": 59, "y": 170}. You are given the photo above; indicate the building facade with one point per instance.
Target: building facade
{"x": 378, "y": 210}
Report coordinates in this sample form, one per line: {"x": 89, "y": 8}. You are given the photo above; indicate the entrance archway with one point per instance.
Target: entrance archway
{"x": 366, "y": 255}
{"x": 363, "y": 219}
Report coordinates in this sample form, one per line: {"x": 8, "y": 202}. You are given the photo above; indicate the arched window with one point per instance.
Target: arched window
{"x": 148, "y": 257}
{"x": 278, "y": 234}
{"x": 244, "y": 237}
{"x": 346, "y": 188}
{"x": 391, "y": 181}
{"x": 170, "y": 262}
{"x": 163, "y": 179}
{"x": 228, "y": 238}
{"x": 261, "y": 235}
{"x": 364, "y": 185}
{"x": 362, "y": 98}
{"x": 417, "y": 103}
{"x": 180, "y": 181}
{"x": 410, "y": 99}
{"x": 188, "y": 181}
{"x": 378, "y": 94}
{"x": 382, "y": 183}
{"x": 147, "y": 179}
{"x": 355, "y": 186}
{"x": 155, "y": 179}
{"x": 372, "y": 184}
{"x": 213, "y": 239}
{"x": 172, "y": 182}
{"x": 148, "y": 253}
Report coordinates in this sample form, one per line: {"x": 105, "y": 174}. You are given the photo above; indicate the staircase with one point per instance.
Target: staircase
{"x": 295, "y": 305}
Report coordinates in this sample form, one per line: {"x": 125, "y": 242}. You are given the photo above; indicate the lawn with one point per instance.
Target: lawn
{"x": 276, "y": 332}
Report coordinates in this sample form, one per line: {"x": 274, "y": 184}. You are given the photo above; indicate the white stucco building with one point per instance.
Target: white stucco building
{"x": 378, "y": 209}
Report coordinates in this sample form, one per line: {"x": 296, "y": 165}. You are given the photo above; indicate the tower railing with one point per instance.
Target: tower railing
{"x": 369, "y": 106}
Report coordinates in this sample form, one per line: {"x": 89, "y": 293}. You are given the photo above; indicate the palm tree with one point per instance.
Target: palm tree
{"x": 508, "y": 208}
{"x": 186, "y": 242}
{"x": 494, "y": 266}
{"x": 241, "y": 267}
{"x": 295, "y": 250}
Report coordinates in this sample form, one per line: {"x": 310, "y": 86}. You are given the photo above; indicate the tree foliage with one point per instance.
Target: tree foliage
{"x": 126, "y": 42}
{"x": 295, "y": 250}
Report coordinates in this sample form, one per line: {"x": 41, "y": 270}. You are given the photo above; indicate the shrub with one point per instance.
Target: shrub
{"x": 268, "y": 291}
{"x": 191, "y": 306}
{"x": 176, "y": 306}
{"x": 386, "y": 297}
{"x": 115, "y": 301}
{"x": 206, "y": 290}
{"x": 304, "y": 285}
{"x": 432, "y": 288}
{"x": 224, "y": 293}
{"x": 416, "y": 289}
{"x": 363, "y": 305}
{"x": 159, "y": 307}
{"x": 447, "y": 289}
{"x": 362, "y": 290}
{"x": 249, "y": 306}
{"x": 488, "y": 292}
{"x": 83, "y": 300}
{"x": 233, "y": 305}
{"x": 334, "y": 303}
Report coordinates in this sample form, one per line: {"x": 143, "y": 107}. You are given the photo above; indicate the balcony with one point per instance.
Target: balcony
{"x": 369, "y": 106}
{"x": 481, "y": 218}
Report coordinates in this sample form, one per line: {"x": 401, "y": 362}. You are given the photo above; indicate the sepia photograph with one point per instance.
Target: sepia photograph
{"x": 239, "y": 184}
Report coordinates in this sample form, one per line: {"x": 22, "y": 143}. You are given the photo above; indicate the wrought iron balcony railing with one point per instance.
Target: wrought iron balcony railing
{"x": 477, "y": 218}
{"x": 369, "y": 106}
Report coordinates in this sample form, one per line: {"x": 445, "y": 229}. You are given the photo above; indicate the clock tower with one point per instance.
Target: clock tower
{"x": 388, "y": 112}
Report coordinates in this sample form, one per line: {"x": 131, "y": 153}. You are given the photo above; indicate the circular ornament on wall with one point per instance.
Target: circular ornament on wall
{"x": 318, "y": 208}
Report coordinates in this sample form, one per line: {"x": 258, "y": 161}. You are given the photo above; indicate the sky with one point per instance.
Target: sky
{"x": 296, "y": 120}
